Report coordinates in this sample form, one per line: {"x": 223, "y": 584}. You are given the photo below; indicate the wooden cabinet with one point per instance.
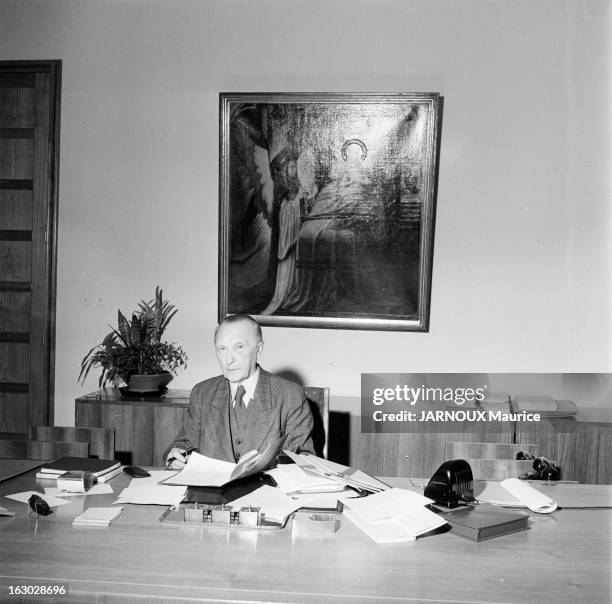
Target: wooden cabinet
{"x": 416, "y": 454}
{"x": 144, "y": 427}
{"x": 582, "y": 449}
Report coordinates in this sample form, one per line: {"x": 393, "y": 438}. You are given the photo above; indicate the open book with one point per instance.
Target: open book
{"x": 392, "y": 516}
{"x": 202, "y": 471}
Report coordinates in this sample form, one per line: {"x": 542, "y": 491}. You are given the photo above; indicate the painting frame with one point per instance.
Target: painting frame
{"x": 284, "y": 129}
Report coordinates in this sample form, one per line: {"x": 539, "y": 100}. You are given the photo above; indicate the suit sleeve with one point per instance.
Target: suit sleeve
{"x": 299, "y": 425}
{"x": 189, "y": 434}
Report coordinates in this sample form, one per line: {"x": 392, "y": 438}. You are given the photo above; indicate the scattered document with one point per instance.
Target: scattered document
{"x": 350, "y": 476}
{"x": 202, "y": 471}
{"x": 388, "y": 504}
{"x": 272, "y": 502}
{"x": 530, "y": 497}
{"x": 392, "y": 516}
{"x": 25, "y": 496}
{"x": 516, "y": 493}
{"x": 156, "y": 476}
{"x": 97, "y": 489}
{"x": 152, "y": 494}
{"x": 323, "y": 501}
{"x": 97, "y": 516}
{"x": 291, "y": 478}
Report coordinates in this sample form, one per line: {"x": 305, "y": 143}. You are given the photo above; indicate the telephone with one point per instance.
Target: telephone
{"x": 452, "y": 484}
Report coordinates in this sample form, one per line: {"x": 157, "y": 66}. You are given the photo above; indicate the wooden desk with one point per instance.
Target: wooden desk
{"x": 564, "y": 557}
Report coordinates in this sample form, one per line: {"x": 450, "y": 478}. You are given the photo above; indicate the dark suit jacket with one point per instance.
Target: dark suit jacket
{"x": 282, "y": 410}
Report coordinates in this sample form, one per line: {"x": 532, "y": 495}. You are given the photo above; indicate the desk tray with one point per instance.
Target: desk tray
{"x": 177, "y": 516}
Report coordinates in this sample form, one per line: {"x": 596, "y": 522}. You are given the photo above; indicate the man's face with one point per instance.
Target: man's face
{"x": 237, "y": 349}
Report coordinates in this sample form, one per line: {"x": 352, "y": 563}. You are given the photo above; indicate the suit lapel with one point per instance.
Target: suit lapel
{"x": 263, "y": 413}
{"x": 221, "y": 431}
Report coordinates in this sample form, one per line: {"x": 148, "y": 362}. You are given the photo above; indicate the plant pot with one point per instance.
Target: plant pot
{"x": 141, "y": 385}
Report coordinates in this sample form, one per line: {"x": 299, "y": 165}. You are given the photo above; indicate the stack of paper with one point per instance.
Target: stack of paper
{"x": 328, "y": 469}
{"x": 102, "y": 469}
{"x": 392, "y": 516}
{"x": 204, "y": 471}
{"x": 97, "y": 517}
{"x": 274, "y": 504}
{"x": 290, "y": 479}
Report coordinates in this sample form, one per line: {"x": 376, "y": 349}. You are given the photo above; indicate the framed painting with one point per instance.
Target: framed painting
{"x": 327, "y": 208}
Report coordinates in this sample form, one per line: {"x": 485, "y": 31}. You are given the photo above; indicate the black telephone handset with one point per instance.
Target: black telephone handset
{"x": 452, "y": 484}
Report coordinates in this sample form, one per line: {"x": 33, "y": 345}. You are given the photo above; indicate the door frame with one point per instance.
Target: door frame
{"x": 42, "y": 409}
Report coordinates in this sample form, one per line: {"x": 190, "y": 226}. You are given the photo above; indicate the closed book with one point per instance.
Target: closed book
{"x": 226, "y": 493}
{"x": 101, "y": 478}
{"x": 84, "y": 464}
{"x": 97, "y": 516}
{"x": 485, "y": 522}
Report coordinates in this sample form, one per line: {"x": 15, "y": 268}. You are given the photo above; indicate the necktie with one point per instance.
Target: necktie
{"x": 238, "y": 402}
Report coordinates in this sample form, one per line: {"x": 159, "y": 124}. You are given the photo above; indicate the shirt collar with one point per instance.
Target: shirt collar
{"x": 249, "y": 387}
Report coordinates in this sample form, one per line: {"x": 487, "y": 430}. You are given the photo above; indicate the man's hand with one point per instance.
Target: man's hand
{"x": 177, "y": 458}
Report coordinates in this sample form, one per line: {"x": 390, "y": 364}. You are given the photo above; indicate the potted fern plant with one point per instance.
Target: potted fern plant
{"x": 134, "y": 355}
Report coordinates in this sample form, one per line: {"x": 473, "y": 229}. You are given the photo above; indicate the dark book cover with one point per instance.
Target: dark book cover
{"x": 97, "y": 467}
{"x": 485, "y": 522}
{"x": 228, "y": 492}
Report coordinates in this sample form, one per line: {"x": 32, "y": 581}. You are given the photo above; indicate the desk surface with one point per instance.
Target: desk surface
{"x": 564, "y": 557}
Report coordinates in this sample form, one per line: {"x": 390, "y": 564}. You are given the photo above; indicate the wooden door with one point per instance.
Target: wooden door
{"x": 29, "y": 147}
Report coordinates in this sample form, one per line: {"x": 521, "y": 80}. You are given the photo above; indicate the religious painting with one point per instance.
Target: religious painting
{"x": 327, "y": 207}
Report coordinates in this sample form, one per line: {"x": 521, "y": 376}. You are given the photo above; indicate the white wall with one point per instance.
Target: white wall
{"x": 521, "y": 275}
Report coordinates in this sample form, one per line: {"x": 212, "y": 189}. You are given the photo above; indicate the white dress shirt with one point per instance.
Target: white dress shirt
{"x": 249, "y": 386}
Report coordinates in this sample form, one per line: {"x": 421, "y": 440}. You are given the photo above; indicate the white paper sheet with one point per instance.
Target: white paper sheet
{"x": 391, "y": 516}
{"x": 326, "y": 468}
{"x": 290, "y": 478}
{"x": 203, "y": 471}
{"x": 25, "y": 495}
{"x": 532, "y": 498}
{"x": 406, "y": 527}
{"x": 322, "y": 500}
{"x": 156, "y": 477}
{"x": 271, "y": 501}
{"x": 388, "y": 504}
{"x": 152, "y": 494}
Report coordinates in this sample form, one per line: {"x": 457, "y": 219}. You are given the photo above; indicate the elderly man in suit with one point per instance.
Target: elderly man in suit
{"x": 245, "y": 407}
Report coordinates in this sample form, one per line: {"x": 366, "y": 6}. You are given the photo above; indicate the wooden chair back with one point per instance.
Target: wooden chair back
{"x": 318, "y": 398}
{"x": 101, "y": 440}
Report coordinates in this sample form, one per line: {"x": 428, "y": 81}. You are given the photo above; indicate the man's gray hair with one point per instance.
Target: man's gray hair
{"x": 236, "y": 319}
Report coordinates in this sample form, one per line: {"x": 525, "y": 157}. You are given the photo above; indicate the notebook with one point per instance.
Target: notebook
{"x": 485, "y": 522}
